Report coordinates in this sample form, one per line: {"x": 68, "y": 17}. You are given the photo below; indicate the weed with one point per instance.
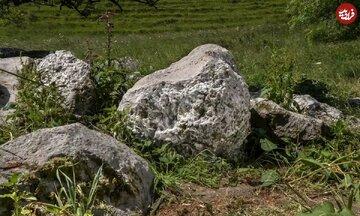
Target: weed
{"x": 37, "y": 106}
{"x": 111, "y": 83}
{"x": 281, "y": 79}
{"x": 18, "y": 197}
{"x": 71, "y": 197}
{"x": 107, "y": 19}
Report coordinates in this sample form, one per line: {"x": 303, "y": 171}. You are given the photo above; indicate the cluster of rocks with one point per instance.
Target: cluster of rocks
{"x": 199, "y": 103}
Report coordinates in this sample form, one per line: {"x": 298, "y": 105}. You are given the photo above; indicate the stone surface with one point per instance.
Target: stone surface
{"x": 126, "y": 182}
{"x": 127, "y": 63}
{"x": 9, "y": 82}
{"x": 354, "y": 102}
{"x": 71, "y": 76}
{"x": 199, "y": 102}
{"x": 281, "y": 123}
{"x": 308, "y": 105}
{"x": 4, "y": 115}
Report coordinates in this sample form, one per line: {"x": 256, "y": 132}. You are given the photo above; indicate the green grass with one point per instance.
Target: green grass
{"x": 252, "y": 30}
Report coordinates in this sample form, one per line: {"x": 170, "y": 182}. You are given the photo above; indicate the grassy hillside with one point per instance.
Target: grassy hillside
{"x": 257, "y": 33}
{"x": 252, "y": 30}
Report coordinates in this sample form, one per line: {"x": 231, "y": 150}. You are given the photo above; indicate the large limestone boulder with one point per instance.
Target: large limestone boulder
{"x": 71, "y": 76}
{"x": 9, "y": 81}
{"x": 126, "y": 182}
{"x": 281, "y": 123}
{"x": 200, "y": 102}
{"x": 308, "y": 105}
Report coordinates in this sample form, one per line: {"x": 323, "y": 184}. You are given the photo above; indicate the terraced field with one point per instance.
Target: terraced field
{"x": 170, "y": 16}
{"x": 252, "y": 30}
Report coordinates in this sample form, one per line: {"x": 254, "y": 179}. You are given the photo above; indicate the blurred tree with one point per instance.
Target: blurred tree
{"x": 8, "y": 8}
{"x": 318, "y": 18}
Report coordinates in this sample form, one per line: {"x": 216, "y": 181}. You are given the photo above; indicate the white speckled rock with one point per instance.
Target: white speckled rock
{"x": 127, "y": 181}
{"x": 200, "y": 102}
{"x": 71, "y": 76}
{"x": 310, "y": 106}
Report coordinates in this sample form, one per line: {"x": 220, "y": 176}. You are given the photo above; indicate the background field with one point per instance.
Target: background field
{"x": 252, "y": 30}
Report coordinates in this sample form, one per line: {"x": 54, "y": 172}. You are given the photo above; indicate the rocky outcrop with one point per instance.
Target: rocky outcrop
{"x": 9, "y": 81}
{"x": 308, "y": 105}
{"x": 126, "y": 182}
{"x": 200, "y": 102}
{"x": 281, "y": 123}
{"x": 71, "y": 76}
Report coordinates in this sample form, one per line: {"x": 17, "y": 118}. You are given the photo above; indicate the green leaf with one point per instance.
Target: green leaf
{"x": 311, "y": 163}
{"x": 269, "y": 178}
{"x": 323, "y": 209}
{"x": 346, "y": 212}
{"x": 267, "y": 145}
{"x": 347, "y": 182}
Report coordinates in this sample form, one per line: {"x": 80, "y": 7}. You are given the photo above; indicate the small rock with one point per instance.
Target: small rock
{"x": 127, "y": 63}
{"x": 72, "y": 77}
{"x": 126, "y": 184}
{"x": 4, "y": 115}
{"x": 310, "y": 106}
{"x": 200, "y": 102}
{"x": 354, "y": 102}
{"x": 281, "y": 123}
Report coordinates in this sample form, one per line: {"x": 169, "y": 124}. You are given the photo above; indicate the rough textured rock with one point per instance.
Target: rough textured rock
{"x": 354, "y": 102}
{"x": 308, "y": 105}
{"x": 281, "y": 123}
{"x": 71, "y": 76}
{"x": 199, "y": 102}
{"x": 353, "y": 123}
{"x": 9, "y": 82}
{"x": 126, "y": 182}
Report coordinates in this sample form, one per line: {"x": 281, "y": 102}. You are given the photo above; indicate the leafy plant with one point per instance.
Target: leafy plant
{"x": 111, "y": 83}
{"x": 18, "y": 197}
{"x": 37, "y": 106}
{"x": 280, "y": 80}
{"x": 318, "y": 19}
{"x": 270, "y": 177}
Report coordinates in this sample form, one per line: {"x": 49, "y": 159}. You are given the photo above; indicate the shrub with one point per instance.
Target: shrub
{"x": 280, "y": 83}
{"x": 37, "y": 106}
{"x": 318, "y": 18}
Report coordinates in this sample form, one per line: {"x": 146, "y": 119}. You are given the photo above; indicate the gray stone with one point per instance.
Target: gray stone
{"x": 4, "y": 116}
{"x": 9, "y": 82}
{"x": 354, "y": 102}
{"x": 281, "y": 123}
{"x": 200, "y": 102}
{"x": 127, "y": 180}
{"x": 308, "y": 105}
{"x": 71, "y": 76}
